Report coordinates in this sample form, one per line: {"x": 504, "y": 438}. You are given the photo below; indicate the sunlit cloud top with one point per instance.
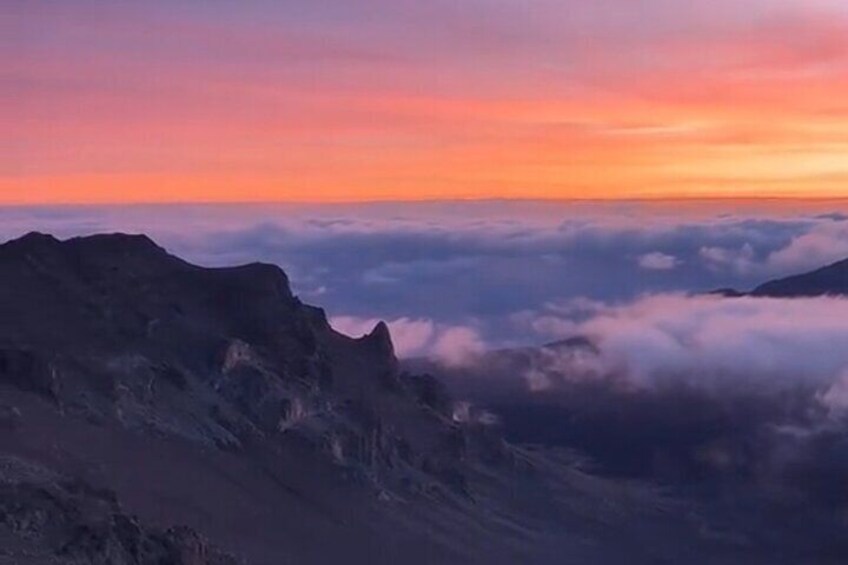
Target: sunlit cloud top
{"x": 331, "y": 100}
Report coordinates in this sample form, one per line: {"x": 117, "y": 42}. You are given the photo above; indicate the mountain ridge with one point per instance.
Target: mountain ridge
{"x": 828, "y": 280}
{"x": 156, "y": 410}
{"x": 111, "y": 329}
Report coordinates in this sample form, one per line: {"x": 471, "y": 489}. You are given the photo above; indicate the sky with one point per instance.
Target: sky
{"x": 333, "y": 100}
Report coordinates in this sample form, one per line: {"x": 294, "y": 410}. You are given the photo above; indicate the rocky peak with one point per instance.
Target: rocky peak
{"x": 33, "y": 242}
{"x": 380, "y": 340}
{"x": 35, "y": 238}
{"x": 117, "y": 242}
{"x": 263, "y": 279}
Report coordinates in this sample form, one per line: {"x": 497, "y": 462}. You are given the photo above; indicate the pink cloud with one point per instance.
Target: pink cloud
{"x": 458, "y": 346}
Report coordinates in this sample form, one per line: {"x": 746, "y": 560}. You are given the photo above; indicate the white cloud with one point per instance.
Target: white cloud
{"x": 825, "y": 243}
{"x": 712, "y": 341}
{"x": 657, "y": 261}
{"x": 835, "y": 398}
{"x": 739, "y": 260}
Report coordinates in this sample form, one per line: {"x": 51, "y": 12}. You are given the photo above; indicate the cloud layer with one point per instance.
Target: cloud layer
{"x": 511, "y": 272}
{"x": 707, "y": 342}
{"x": 739, "y": 396}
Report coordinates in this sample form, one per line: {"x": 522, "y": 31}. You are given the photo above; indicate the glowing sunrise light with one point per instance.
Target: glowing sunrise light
{"x": 397, "y": 100}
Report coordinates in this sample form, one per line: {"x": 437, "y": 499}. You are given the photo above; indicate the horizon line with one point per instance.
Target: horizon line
{"x": 472, "y": 200}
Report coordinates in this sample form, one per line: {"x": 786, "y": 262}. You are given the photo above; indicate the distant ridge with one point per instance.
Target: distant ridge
{"x": 829, "y": 280}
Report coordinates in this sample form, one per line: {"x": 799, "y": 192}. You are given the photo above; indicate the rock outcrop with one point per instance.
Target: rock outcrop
{"x": 113, "y": 331}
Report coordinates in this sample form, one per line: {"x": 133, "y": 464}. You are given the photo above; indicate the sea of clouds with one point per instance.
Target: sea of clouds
{"x": 750, "y": 386}
{"x": 452, "y": 278}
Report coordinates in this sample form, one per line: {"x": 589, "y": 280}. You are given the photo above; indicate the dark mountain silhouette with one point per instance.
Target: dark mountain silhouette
{"x": 154, "y": 411}
{"x": 829, "y": 280}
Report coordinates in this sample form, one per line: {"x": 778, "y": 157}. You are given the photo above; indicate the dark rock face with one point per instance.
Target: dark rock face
{"x": 114, "y": 331}
{"x": 217, "y": 356}
{"x": 830, "y": 280}
{"x": 10, "y": 417}
{"x": 73, "y": 523}
{"x": 27, "y": 371}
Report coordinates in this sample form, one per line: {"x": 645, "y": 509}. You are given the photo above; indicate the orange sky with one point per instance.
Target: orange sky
{"x": 325, "y": 101}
